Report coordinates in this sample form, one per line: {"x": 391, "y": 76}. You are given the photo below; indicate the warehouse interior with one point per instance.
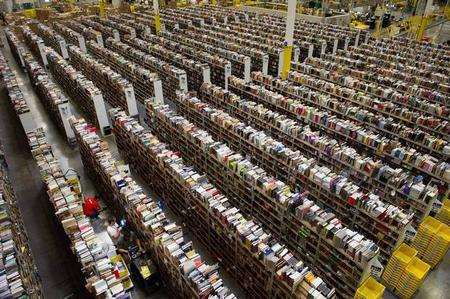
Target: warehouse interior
{"x": 225, "y": 149}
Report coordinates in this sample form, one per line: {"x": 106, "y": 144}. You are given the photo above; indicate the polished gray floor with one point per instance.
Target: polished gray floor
{"x": 59, "y": 273}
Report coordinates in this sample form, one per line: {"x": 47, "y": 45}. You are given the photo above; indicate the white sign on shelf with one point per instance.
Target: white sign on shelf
{"x": 227, "y": 74}
{"x": 247, "y": 69}
{"x": 265, "y": 64}
{"x": 65, "y": 112}
{"x": 131, "y": 101}
{"x": 100, "y": 111}
{"x": 206, "y": 74}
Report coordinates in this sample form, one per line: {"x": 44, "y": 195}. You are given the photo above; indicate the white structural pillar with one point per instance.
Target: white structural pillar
{"x": 289, "y": 38}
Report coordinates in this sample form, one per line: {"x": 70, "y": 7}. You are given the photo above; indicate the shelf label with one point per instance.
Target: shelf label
{"x": 100, "y": 40}
{"x": 265, "y": 64}
{"x": 347, "y": 41}
{"x": 157, "y": 85}
{"x": 82, "y": 43}
{"x": 183, "y": 82}
{"x": 65, "y": 112}
{"x": 323, "y": 48}
{"x": 227, "y": 74}
{"x": 310, "y": 51}
{"x": 100, "y": 112}
{"x": 357, "y": 38}
{"x": 133, "y": 32}
{"x": 280, "y": 62}
{"x": 206, "y": 74}
{"x": 247, "y": 69}
{"x": 42, "y": 52}
{"x": 27, "y": 121}
{"x": 116, "y": 35}
{"x": 366, "y": 40}
{"x": 296, "y": 54}
{"x": 63, "y": 47}
{"x": 335, "y": 45}
{"x": 131, "y": 101}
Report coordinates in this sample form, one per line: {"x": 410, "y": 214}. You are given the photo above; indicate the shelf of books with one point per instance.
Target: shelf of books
{"x": 146, "y": 83}
{"x": 405, "y": 86}
{"x": 51, "y": 38}
{"x": 116, "y": 90}
{"x": 14, "y": 44}
{"x": 301, "y": 131}
{"x": 272, "y": 48}
{"x": 138, "y": 27}
{"x": 182, "y": 267}
{"x": 353, "y": 127}
{"x": 71, "y": 36}
{"x": 321, "y": 74}
{"x": 197, "y": 72}
{"x": 64, "y": 194}
{"x": 19, "y": 276}
{"x": 84, "y": 93}
{"x": 87, "y": 32}
{"x": 240, "y": 64}
{"x": 34, "y": 43}
{"x": 220, "y": 69}
{"x": 50, "y": 95}
{"x": 259, "y": 58}
{"x": 123, "y": 29}
{"x": 242, "y": 244}
{"x": 289, "y": 215}
{"x": 15, "y": 96}
{"x": 172, "y": 78}
{"x": 106, "y": 31}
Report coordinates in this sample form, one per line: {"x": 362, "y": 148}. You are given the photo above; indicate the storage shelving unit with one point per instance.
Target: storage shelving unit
{"x": 232, "y": 240}
{"x": 196, "y": 72}
{"x": 181, "y": 265}
{"x": 117, "y": 91}
{"x": 296, "y": 129}
{"x": 146, "y": 83}
{"x": 269, "y": 200}
{"x": 173, "y": 78}
{"x": 19, "y": 273}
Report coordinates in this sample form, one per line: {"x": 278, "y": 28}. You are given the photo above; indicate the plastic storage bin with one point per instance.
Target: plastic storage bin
{"x": 370, "y": 289}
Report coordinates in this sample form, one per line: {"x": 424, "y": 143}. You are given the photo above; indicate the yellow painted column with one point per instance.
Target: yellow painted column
{"x": 289, "y": 38}
{"x": 102, "y": 8}
{"x": 157, "y": 16}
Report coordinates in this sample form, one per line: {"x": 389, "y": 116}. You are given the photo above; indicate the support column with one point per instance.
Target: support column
{"x": 157, "y": 16}
{"x": 288, "y": 39}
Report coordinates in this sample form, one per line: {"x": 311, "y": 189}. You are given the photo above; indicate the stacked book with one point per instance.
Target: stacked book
{"x": 190, "y": 275}
{"x": 87, "y": 32}
{"x": 369, "y": 94}
{"x": 143, "y": 80}
{"x": 400, "y": 187}
{"x": 65, "y": 195}
{"x": 350, "y": 125}
{"x": 117, "y": 91}
{"x": 123, "y": 29}
{"x": 77, "y": 86}
{"x": 51, "y": 38}
{"x": 194, "y": 70}
{"x": 18, "y": 274}
{"x": 248, "y": 247}
{"x": 9, "y": 81}
{"x": 270, "y": 200}
{"x": 104, "y": 30}
{"x": 71, "y": 36}
{"x": 173, "y": 78}
{"x": 220, "y": 68}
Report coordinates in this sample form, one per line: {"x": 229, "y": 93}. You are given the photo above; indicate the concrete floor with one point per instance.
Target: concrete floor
{"x": 58, "y": 270}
